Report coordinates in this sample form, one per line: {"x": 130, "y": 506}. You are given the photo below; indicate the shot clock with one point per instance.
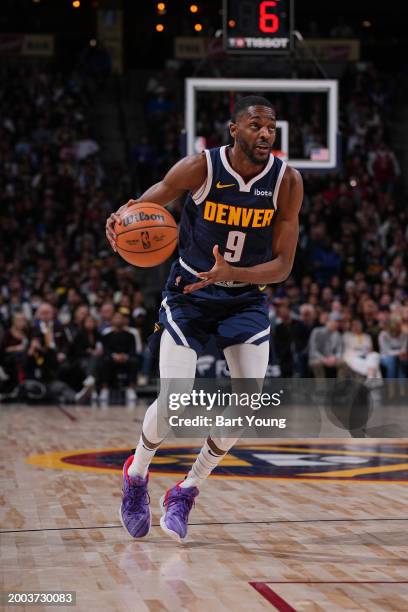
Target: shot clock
{"x": 258, "y": 26}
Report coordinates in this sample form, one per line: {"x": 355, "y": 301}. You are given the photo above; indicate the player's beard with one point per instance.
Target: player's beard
{"x": 250, "y": 152}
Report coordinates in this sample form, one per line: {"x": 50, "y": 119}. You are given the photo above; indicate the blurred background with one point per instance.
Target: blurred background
{"x": 92, "y": 113}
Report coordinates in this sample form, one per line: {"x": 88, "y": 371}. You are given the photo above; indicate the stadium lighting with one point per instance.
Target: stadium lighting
{"x": 161, "y": 8}
{"x": 198, "y": 27}
{"x": 159, "y": 27}
{"x": 232, "y": 23}
{"x": 76, "y": 4}
{"x": 193, "y": 8}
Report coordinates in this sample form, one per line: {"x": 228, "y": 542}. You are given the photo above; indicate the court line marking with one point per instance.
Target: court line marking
{"x": 203, "y": 524}
{"x": 283, "y": 606}
{"x": 335, "y": 582}
{"x": 67, "y": 413}
{"x": 267, "y": 593}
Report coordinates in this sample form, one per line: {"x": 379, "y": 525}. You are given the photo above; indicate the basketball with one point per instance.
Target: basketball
{"x": 147, "y": 235}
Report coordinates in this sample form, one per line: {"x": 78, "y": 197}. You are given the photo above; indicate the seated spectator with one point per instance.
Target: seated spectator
{"x": 358, "y": 354}
{"x": 119, "y": 357}
{"x": 128, "y": 326}
{"x": 286, "y": 335}
{"x": 14, "y": 349}
{"x": 307, "y": 314}
{"x": 106, "y": 312}
{"x": 80, "y": 314}
{"x": 85, "y": 352}
{"x": 325, "y": 348}
{"x": 383, "y": 166}
{"x": 48, "y": 346}
{"x": 392, "y": 344}
{"x": 369, "y": 314}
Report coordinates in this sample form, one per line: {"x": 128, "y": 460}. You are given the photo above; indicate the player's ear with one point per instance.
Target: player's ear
{"x": 233, "y": 128}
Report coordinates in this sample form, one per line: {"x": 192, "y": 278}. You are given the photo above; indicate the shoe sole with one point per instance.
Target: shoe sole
{"x": 84, "y": 395}
{"x": 172, "y": 534}
{"x": 126, "y": 529}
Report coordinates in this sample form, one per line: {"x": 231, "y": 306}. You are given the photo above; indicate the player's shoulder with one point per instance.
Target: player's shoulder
{"x": 190, "y": 172}
{"x": 195, "y": 162}
{"x": 291, "y": 176}
{"x": 290, "y": 195}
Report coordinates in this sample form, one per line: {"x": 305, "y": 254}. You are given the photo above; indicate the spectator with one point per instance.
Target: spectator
{"x": 384, "y": 167}
{"x": 119, "y": 358}
{"x": 289, "y": 342}
{"x": 326, "y": 348}
{"x": 307, "y": 319}
{"x": 369, "y": 312}
{"x": 106, "y": 313}
{"x": 85, "y": 353}
{"x": 14, "y": 350}
{"x": 48, "y": 346}
{"x": 358, "y": 354}
{"x": 80, "y": 314}
{"x": 392, "y": 344}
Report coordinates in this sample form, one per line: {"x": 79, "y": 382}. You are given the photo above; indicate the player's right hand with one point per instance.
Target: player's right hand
{"x": 110, "y": 224}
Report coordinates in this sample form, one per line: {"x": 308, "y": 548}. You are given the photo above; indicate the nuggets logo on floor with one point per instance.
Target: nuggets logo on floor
{"x": 333, "y": 462}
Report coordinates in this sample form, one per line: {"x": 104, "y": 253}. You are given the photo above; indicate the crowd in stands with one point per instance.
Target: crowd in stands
{"x": 65, "y": 298}
{"x": 71, "y": 314}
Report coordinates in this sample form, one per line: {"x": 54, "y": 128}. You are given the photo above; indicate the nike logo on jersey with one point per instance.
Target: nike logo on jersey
{"x": 221, "y": 186}
{"x": 237, "y": 215}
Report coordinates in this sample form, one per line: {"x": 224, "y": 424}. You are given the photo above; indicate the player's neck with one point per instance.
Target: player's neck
{"x": 242, "y": 165}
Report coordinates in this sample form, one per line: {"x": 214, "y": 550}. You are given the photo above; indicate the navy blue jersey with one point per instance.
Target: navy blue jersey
{"x": 225, "y": 210}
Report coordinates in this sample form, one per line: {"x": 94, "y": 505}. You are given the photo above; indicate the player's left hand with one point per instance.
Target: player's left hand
{"x": 221, "y": 271}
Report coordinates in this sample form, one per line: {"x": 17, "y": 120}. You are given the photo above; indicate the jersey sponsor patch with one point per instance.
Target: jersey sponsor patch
{"x": 263, "y": 192}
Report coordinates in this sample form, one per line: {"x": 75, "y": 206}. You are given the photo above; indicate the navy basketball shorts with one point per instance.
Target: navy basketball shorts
{"x": 233, "y": 315}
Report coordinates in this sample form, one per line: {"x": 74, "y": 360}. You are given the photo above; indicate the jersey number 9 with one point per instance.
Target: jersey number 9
{"x": 234, "y": 246}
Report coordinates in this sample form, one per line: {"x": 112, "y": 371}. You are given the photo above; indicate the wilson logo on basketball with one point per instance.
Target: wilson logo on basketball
{"x": 141, "y": 216}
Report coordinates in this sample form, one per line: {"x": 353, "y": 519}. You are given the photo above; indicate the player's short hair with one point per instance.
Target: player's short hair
{"x": 245, "y": 102}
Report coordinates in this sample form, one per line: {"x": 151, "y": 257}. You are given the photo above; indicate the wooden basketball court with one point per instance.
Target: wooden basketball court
{"x": 323, "y": 528}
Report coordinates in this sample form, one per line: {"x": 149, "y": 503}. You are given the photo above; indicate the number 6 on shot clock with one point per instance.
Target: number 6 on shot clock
{"x": 258, "y": 26}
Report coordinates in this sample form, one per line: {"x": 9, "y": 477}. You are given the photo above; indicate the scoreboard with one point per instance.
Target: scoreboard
{"x": 258, "y": 26}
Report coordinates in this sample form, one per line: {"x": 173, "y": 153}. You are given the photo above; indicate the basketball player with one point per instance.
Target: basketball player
{"x": 238, "y": 231}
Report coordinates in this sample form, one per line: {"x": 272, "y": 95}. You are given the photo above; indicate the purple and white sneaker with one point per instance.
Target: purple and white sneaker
{"x": 134, "y": 512}
{"x": 176, "y": 505}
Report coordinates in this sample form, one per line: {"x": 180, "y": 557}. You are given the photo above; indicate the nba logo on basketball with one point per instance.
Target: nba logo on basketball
{"x": 145, "y": 240}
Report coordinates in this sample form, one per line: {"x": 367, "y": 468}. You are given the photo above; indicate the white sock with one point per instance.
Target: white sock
{"x": 148, "y": 444}
{"x": 207, "y": 460}
{"x": 142, "y": 458}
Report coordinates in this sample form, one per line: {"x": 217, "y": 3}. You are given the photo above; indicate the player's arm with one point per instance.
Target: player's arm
{"x": 285, "y": 237}
{"x": 186, "y": 175}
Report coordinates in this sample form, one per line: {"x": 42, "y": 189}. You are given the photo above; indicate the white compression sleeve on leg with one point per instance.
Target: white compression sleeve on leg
{"x": 244, "y": 361}
{"x": 176, "y": 362}
{"x": 247, "y": 360}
